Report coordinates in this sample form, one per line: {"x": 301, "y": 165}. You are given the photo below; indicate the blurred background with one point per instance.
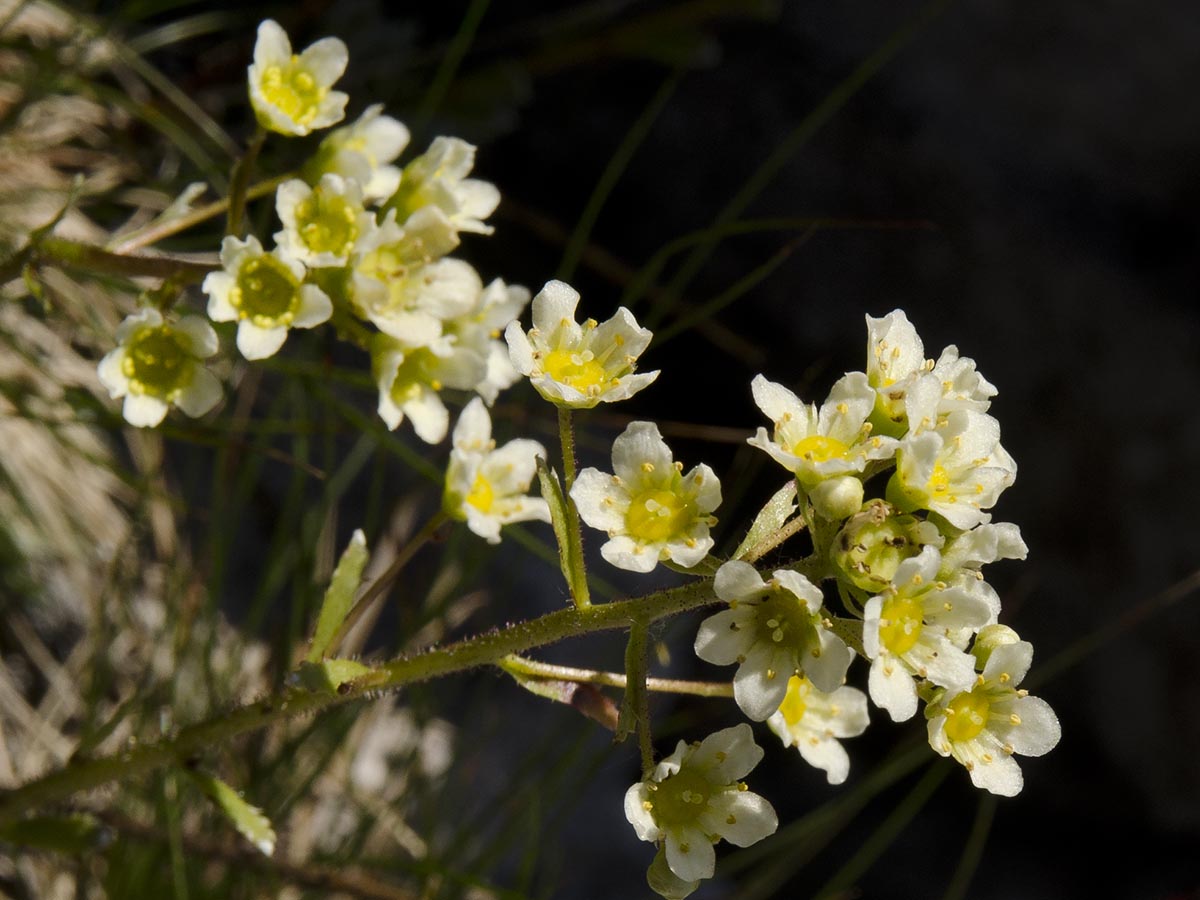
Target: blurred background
{"x": 1022, "y": 179}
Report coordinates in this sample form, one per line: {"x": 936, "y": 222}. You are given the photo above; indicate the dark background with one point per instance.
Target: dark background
{"x": 1022, "y": 179}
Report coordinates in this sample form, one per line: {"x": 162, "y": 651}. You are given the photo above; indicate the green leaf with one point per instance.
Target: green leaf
{"x": 552, "y": 492}
{"x": 328, "y": 675}
{"x": 339, "y": 598}
{"x": 62, "y": 834}
{"x": 249, "y": 820}
{"x": 769, "y": 520}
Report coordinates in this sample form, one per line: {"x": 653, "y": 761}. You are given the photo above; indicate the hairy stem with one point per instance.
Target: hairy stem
{"x": 531, "y": 667}
{"x": 579, "y": 585}
{"x": 485, "y": 649}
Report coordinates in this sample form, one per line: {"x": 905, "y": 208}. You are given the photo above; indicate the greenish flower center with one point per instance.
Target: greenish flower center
{"x": 784, "y": 619}
{"x": 292, "y": 90}
{"x": 967, "y": 716}
{"x": 156, "y": 362}
{"x": 327, "y": 223}
{"x": 900, "y": 624}
{"x": 266, "y": 292}
{"x": 658, "y": 515}
{"x": 412, "y": 378}
{"x": 681, "y": 798}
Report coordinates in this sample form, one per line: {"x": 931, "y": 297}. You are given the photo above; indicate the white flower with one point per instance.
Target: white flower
{"x": 486, "y": 486}
{"x": 409, "y": 380}
{"x": 578, "y": 366}
{"x": 157, "y": 364}
{"x": 812, "y": 721}
{"x": 773, "y": 630}
{"x": 957, "y": 470}
{"x": 914, "y": 630}
{"x": 480, "y": 328}
{"x": 817, "y": 444}
{"x": 651, "y": 510}
{"x": 403, "y": 286}
{"x": 265, "y": 294}
{"x": 291, "y": 94}
{"x": 362, "y": 151}
{"x": 695, "y": 797}
{"x": 901, "y": 375}
{"x": 437, "y": 178}
{"x": 322, "y": 224}
{"x": 983, "y": 727}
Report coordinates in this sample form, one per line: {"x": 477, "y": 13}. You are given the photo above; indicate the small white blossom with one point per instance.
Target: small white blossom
{"x": 578, "y": 366}
{"x": 957, "y": 470}
{"x": 651, "y": 510}
{"x": 818, "y": 444}
{"x": 901, "y": 375}
{"x": 480, "y": 329}
{"x": 983, "y": 727}
{"x": 403, "y": 286}
{"x": 291, "y": 93}
{"x": 322, "y": 224}
{"x": 772, "y": 630}
{"x": 812, "y": 721}
{"x": 695, "y": 797}
{"x": 410, "y": 379}
{"x": 265, "y": 294}
{"x": 487, "y": 486}
{"x": 916, "y": 629}
{"x": 157, "y": 364}
{"x": 437, "y": 178}
{"x": 362, "y": 151}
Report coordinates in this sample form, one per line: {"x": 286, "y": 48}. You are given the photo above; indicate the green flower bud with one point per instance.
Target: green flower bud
{"x": 873, "y": 543}
{"x": 837, "y": 498}
{"x": 989, "y": 638}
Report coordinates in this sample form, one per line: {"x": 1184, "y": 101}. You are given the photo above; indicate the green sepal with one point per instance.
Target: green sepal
{"x": 328, "y": 675}
{"x": 72, "y": 834}
{"x": 769, "y": 520}
{"x": 552, "y": 493}
{"x": 249, "y": 820}
{"x": 339, "y": 598}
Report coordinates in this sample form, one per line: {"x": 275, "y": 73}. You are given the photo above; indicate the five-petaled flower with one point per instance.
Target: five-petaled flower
{"x": 651, "y": 510}
{"x": 983, "y": 727}
{"x": 486, "y": 485}
{"x": 695, "y": 797}
{"x": 812, "y": 721}
{"x": 157, "y": 364}
{"x": 291, "y": 93}
{"x": 265, "y": 294}
{"x": 772, "y": 630}
{"x": 578, "y": 366}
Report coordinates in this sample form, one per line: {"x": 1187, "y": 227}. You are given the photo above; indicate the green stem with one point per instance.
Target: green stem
{"x": 579, "y": 584}
{"x": 240, "y": 181}
{"x": 89, "y": 258}
{"x": 481, "y": 650}
{"x": 521, "y": 665}
{"x": 635, "y": 709}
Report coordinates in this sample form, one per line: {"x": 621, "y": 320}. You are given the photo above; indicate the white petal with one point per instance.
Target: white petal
{"x": 626, "y": 553}
{"x": 326, "y": 60}
{"x": 1039, "y": 731}
{"x": 637, "y": 814}
{"x": 753, "y": 818}
{"x": 826, "y": 754}
{"x": 1001, "y": 776}
{"x": 756, "y": 694}
{"x": 143, "y": 410}
{"x": 828, "y": 671}
{"x": 728, "y": 755}
{"x": 473, "y": 431}
{"x": 111, "y": 373}
{"x": 553, "y": 303}
{"x": 698, "y": 862}
{"x": 198, "y": 335}
{"x": 892, "y": 688}
{"x": 737, "y": 580}
{"x": 801, "y": 587}
{"x": 315, "y": 307}
{"x": 1012, "y": 660}
{"x": 775, "y": 400}
{"x": 272, "y": 46}
{"x": 719, "y": 642}
{"x": 201, "y": 395}
{"x": 218, "y": 285}
{"x": 259, "y": 343}
{"x": 520, "y": 353}
{"x": 640, "y": 443}
{"x": 429, "y": 416}
{"x": 590, "y": 491}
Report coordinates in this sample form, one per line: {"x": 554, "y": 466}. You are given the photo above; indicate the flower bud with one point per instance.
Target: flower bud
{"x": 837, "y": 498}
{"x": 989, "y": 638}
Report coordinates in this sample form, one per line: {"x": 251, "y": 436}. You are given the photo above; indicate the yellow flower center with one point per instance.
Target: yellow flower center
{"x": 680, "y": 798}
{"x": 293, "y": 91}
{"x": 266, "y": 292}
{"x": 579, "y": 369}
{"x": 156, "y": 362}
{"x": 900, "y": 623}
{"x": 327, "y": 223}
{"x": 820, "y": 448}
{"x": 482, "y": 495}
{"x": 966, "y": 716}
{"x": 939, "y": 485}
{"x": 657, "y": 515}
{"x": 795, "y": 702}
